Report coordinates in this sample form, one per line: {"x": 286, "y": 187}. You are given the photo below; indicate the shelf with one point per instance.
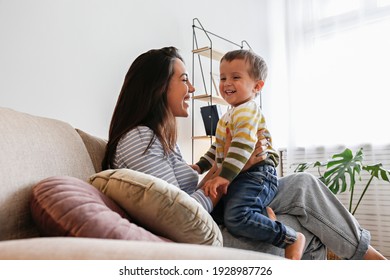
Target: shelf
{"x": 205, "y": 59}
{"x": 211, "y": 99}
{"x": 205, "y": 137}
{"x": 205, "y": 51}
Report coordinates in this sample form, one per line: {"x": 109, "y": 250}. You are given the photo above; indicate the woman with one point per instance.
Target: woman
{"x": 143, "y": 136}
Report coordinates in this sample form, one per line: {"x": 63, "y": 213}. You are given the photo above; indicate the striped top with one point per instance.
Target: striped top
{"x": 243, "y": 121}
{"x": 130, "y": 153}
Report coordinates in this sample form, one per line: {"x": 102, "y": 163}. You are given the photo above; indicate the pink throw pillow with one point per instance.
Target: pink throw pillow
{"x": 67, "y": 206}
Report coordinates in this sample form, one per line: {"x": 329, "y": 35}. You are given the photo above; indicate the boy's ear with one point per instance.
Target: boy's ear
{"x": 259, "y": 85}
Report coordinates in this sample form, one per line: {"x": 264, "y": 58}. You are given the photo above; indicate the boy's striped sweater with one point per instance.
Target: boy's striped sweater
{"x": 243, "y": 122}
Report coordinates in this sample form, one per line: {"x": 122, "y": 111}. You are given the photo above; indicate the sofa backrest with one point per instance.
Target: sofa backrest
{"x": 33, "y": 148}
{"x": 96, "y": 148}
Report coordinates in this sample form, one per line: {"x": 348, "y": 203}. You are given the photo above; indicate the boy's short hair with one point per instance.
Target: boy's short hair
{"x": 257, "y": 67}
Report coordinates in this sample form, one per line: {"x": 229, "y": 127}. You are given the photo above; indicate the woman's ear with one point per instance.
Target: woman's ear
{"x": 259, "y": 85}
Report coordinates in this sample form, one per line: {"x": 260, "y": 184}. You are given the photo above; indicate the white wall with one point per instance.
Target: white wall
{"x": 66, "y": 59}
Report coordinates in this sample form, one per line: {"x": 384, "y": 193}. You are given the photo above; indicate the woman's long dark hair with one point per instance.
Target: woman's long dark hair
{"x": 143, "y": 101}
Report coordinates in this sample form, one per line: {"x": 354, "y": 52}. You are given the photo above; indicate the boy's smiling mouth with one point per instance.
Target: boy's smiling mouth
{"x": 229, "y": 92}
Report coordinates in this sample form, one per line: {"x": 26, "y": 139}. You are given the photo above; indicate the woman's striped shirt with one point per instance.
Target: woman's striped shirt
{"x": 130, "y": 153}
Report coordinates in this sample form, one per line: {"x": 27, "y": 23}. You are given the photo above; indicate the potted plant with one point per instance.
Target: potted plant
{"x": 341, "y": 172}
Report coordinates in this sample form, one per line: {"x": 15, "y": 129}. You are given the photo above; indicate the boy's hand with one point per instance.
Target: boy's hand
{"x": 196, "y": 168}
{"x": 215, "y": 186}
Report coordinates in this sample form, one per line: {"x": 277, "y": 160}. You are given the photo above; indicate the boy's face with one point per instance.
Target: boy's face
{"x": 236, "y": 85}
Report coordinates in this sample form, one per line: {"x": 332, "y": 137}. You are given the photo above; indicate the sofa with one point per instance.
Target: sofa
{"x": 36, "y": 154}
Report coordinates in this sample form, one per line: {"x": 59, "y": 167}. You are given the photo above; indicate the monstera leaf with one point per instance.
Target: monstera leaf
{"x": 376, "y": 171}
{"x": 339, "y": 167}
{"x": 301, "y": 167}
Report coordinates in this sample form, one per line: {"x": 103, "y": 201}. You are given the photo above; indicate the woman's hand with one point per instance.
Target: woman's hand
{"x": 259, "y": 153}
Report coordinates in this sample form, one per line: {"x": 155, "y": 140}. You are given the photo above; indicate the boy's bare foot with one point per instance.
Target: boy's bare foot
{"x": 373, "y": 254}
{"x": 295, "y": 251}
{"x": 271, "y": 213}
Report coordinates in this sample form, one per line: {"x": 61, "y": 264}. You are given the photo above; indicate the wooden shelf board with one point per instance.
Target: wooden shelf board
{"x": 205, "y": 137}
{"x": 208, "y": 98}
{"x": 205, "y": 51}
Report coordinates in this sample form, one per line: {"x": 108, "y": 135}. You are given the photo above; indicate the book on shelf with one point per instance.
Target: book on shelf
{"x": 210, "y": 115}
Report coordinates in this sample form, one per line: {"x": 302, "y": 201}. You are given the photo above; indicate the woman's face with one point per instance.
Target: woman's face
{"x": 179, "y": 90}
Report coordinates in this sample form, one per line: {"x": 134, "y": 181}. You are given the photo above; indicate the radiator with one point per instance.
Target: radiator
{"x": 374, "y": 211}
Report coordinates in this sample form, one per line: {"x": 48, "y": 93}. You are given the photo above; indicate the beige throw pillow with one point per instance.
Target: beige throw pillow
{"x": 159, "y": 206}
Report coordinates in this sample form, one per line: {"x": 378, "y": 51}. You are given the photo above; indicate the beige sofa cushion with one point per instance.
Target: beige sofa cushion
{"x": 33, "y": 148}
{"x": 158, "y": 206}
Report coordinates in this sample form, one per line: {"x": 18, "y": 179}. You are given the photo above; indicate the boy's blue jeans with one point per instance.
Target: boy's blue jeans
{"x": 245, "y": 204}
